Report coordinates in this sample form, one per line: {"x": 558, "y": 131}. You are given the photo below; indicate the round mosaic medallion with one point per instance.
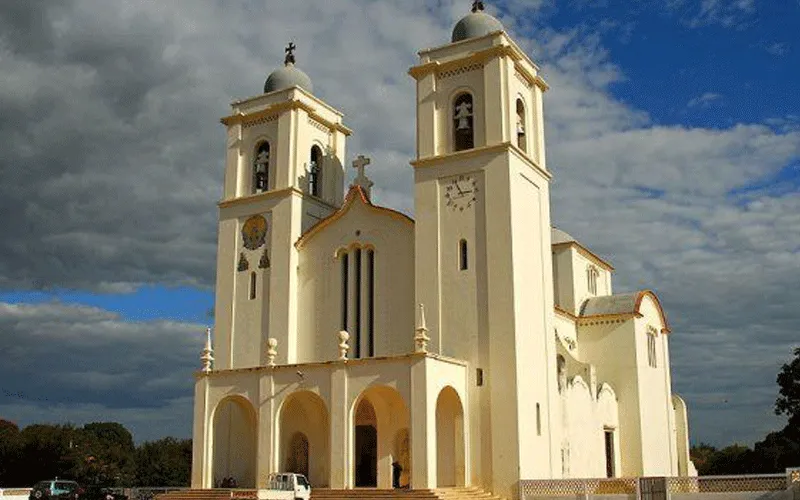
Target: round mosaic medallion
{"x": 254, "y": 232}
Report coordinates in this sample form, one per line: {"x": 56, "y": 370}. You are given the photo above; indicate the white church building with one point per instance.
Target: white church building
{"x": 475, "y": 345}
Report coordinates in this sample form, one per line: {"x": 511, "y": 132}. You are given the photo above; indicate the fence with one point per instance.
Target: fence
{"x": 662, "y": 488}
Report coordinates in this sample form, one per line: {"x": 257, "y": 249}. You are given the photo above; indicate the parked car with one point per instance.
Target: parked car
{"x": 56, "y": 489}
{"x": 286, "y": 486}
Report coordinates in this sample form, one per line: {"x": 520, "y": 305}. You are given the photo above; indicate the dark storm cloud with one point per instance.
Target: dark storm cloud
{"x": 99, "y": 169}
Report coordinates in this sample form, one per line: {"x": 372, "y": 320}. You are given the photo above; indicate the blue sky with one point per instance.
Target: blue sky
{"x": 673, "y": 134}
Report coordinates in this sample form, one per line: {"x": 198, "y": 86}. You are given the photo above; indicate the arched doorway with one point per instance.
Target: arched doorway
{"x": 449, "y": 439}
{"x": 381, "y": 456}
{"x": 304, "y": 436}
{"x": 366, "y": 445}
{"x": 234, "y": 442}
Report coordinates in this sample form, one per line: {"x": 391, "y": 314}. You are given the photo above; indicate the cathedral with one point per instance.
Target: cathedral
{"x": 474, "y": 345}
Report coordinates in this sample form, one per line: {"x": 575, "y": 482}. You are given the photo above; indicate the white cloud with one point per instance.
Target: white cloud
{"x": 114, "y": 158}
{"x": 704, "y": 101}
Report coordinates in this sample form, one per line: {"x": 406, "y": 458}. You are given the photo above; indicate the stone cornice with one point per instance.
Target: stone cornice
{"x": 334, "y": 363}
{"x": 510, "y": 50}
{"x": 433, "y": 161}
{"x": 277, "y": 109}
{"x": 278, "y": 193}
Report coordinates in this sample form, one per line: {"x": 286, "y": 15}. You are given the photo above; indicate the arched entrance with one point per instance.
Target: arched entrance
{"x": 380, "y": 438}
{"x": 449, "y": 439}
{"x": 366, "y": 445}
{"x": 304, "y": 436}
{"x": 234, "y": 442}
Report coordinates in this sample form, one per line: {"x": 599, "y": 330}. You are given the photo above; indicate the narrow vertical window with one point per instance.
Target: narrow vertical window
{"x": 591, "y": 278}
{"x": 253, "y": 283}
{"x": 345, "y": 289}
{"x": 315, "y": 172}
{"x": 610, "y": 459}
{"x": 357, "y": 304}
{"x": 261, "y": 169}
{"x": 463, "y": 258}
{"x": 463, "y": 123}
{"x": 538, "y": 420}
{"x": 479, "y": 377}
{"x": 652, "y": 360}
{"x": 371, "y": 302}
{"x": 522, "y": 140}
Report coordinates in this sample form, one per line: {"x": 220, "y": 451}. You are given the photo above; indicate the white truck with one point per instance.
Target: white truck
{"x": 286, "y": 486}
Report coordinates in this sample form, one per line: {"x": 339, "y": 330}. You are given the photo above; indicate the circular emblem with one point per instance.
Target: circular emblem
{"x": 254, "y": 232}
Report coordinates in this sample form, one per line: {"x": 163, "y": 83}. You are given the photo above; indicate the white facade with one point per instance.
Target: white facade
{"x": 524, "y": 364}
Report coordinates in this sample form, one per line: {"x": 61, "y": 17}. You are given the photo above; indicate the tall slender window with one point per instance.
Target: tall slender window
{"x": 463, "y": 257}
{"x": 538, "y": 420}
{"x": 261, "y": 169}
{"x": 610, "y": 459}
{"x": 345, "y": 289}
{"x": 315, "y": 172}
{"x": 253, "y": 283}
{"x": 522, "y": 140}
{"x": 463, "y": 123}
{"x": 652, "y": 358}
{"x": 591, "y": 277}
{"x": 357, "y": 305}
{"x": 371, "y": 303}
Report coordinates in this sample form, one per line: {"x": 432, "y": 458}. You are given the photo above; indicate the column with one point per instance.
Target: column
{"x": 341, "y": 447}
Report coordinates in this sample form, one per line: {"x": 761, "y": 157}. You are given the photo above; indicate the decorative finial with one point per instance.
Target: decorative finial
{"x": 421, "y": 338}
{"x": 362, "y": 180}
{"x": 290, "y": 54}
{"x": 477, "y": 5}
{"x": 272, "y": 351}
{"x": 343, "y": 345}
{"x": 207, "y": 356}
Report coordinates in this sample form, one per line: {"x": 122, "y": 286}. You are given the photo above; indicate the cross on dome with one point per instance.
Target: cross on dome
{"x": 477, "y": 5}
{"x": 362, "y": 180}
{"x": 290, "y": 53}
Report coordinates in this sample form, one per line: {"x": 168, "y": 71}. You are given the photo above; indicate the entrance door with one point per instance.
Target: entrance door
{"x": 366, "y": 456}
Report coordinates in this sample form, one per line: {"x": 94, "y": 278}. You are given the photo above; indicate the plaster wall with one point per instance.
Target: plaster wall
{"x": 659, "y": 454}
{"x": 611, "y": 348}
{"x": 391, "y": 237}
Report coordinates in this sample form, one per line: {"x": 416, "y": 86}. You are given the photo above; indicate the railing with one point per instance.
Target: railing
{"x": 529, "y": 489}
{"x": 727, "y": 484}
{"x": 570, "y": 487}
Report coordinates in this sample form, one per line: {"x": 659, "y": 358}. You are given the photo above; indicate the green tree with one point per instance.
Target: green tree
{"x": 703, "y": 456}
{"x": 788, "y": 402}
{"x": 110, "y": 454}
{"x": 9, "y": 451}
{"x": 166, "y": 462}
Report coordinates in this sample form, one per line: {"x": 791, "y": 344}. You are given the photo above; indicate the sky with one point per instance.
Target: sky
{"x": 673, "y": 135}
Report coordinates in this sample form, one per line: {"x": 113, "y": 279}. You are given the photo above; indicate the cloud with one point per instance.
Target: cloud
{"x": 113, "y": 158}
{"x": 727, "y": 13}
{"x": 704, "y": 101}
{"x": 775, "y": 48}
{"x": 72, "y": 363}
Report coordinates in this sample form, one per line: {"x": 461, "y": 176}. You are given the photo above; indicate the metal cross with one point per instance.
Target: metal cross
{"x": 290, "y": 53}
{"x": 361, "y": 162}
{"x": 477, "y": 5}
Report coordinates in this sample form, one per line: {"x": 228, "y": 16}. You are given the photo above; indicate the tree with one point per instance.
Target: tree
{"x": 788, "y": 402}
{"x": 9, "y": 451}
{"x": 166, "y": 462}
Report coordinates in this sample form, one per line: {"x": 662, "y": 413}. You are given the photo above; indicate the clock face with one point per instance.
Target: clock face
{"x": 461, "y": 192}
{"x": 254, "y": 232}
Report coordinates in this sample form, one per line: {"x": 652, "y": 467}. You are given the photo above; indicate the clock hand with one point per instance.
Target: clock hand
{"x": 459, "y": 190}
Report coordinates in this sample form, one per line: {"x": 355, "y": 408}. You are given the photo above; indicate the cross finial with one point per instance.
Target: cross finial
{"x": 361, "y": 179}
{"x": 290, "y": 53}
{"x": 477, "y": 5}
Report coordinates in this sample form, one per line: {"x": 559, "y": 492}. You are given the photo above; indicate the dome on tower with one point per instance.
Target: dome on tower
{"x": 475, "y": 24}
{"x": 288, "y": 76}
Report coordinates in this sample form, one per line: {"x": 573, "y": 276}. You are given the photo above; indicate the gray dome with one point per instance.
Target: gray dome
{"x": 287, "y": 77}
{"x": 475, "y": 24}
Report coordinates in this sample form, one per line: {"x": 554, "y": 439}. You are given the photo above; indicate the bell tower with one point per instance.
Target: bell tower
{"x": 283, "y": 173}
{"x": 482, "y": 236}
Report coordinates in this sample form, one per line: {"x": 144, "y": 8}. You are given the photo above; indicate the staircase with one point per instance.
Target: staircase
{"x": 215, "y": 494}
{"x": 457, "y": 493}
